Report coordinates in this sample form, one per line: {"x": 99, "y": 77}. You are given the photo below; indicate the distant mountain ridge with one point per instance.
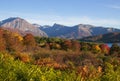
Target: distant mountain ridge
{"x": 57, "y": 30}
{"x": 76, "y": 32}
{"x": 21, "y": 25}
{"x": 113, "y": 37}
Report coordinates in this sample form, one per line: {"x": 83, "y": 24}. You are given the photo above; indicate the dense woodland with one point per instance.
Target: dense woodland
{"x": 29, "y": 58}
{"x": 113, "y": 37}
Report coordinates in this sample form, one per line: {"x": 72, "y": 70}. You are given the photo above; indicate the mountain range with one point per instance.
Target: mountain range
{"x": 77, "y": 31}
{"x": 57, "y": 30}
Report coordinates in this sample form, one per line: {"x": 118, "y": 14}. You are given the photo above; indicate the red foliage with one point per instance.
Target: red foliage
{"x": 67, "y": 44}
{"x": 105, "y": 48}
{"x": 75, "y": 46}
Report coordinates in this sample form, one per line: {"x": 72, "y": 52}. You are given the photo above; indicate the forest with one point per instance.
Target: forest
{"x": 29, "y": 58}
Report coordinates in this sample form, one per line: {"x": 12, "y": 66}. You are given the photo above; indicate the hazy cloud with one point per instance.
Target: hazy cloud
{"x": 66, "y": 20}
{"x": 114, "y": 6}
{"x": 70, "y": 21}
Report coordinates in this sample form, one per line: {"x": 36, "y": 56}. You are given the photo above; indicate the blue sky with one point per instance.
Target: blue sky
{"x": 67, "y": 12}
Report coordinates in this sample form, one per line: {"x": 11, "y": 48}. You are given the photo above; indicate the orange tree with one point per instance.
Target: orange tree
{"x": 67, "y": 45}
{"x": 29, "y": 42}
{"x": 75, "y": 45}
{"x": 13, "y": 43}
{"x": 2, "y": 41}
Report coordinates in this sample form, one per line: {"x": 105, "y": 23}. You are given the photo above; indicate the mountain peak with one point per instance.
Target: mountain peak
{"x": 22, "y": 25}
{"x": 15, "y": 22}
{"x": 58, "y": 25}
{"x": 85, "y": 25}
{"x": 8, "y": 20}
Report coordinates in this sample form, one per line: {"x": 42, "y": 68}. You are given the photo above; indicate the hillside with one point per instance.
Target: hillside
{"x": 108, "y": 38}
{"x": 29, "y": 58}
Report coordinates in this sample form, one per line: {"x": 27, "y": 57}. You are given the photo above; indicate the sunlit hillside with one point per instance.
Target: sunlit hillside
{"x": 29, "y": 58}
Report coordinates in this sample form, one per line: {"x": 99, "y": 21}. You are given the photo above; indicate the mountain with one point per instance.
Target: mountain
{"x": 76, "y": 32}
{"x": 113, "y": 37}
{"x": 57, "y": 30}
{"x": 21, "y": 25}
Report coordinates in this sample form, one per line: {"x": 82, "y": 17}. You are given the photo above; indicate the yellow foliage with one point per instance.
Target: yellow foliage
{"x": 97, "y": 48}
{"x": 58, "y": 46}
{"x": 85, "y": 69}
{"x": 99, "y": 69}
{"x": 18, "y": 36}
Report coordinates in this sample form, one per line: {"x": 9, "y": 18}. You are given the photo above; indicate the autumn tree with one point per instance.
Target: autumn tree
{"x": 13, "y": 41}
{"x": 67, "y": 45}
{"x": 75, "y": 45}
{"x": 85, "y": 46}
{"x": 96, "y": 48}
{"x": 2, "y": 41}
{"x": 23, "y": 57}
{"x": 104, "y": 48}
{"x": 29, "y": 42}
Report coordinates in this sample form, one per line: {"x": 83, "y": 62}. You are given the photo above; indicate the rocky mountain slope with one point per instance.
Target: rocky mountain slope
{"x": 76, "y": 32}
{"x": 21, "y": 25}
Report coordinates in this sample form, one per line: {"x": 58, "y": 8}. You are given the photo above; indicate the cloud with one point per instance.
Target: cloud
{"x": 114, "y": 6}
{"x": 71, "y": 21}
{"x": 48, "y": 19}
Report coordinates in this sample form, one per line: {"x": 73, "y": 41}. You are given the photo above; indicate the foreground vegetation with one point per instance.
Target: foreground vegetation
{"x": 16, "y": 70}
{"x": 29, "y": 58}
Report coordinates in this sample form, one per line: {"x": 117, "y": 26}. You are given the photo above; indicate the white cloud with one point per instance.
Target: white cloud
{"x": 114, "y": 6}
{"x": 66, "y": 20}
{"x": 70, "y": 21}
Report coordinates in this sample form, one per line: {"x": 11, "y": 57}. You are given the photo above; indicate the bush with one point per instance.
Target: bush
{"x": 11, "y": 70}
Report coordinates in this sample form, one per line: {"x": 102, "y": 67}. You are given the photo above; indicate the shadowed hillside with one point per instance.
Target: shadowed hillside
{"x": 108, "y": 38}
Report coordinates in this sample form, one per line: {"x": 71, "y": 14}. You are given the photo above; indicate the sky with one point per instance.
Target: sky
{"x": 66, "y": 12}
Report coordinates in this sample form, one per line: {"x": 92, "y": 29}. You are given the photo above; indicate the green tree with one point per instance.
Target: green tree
{"x": 115, "y": 49}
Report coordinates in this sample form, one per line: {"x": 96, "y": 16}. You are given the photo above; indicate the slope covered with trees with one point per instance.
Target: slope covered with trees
{"x": 108, "y": 38}
{"x": 29, "y": 58}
